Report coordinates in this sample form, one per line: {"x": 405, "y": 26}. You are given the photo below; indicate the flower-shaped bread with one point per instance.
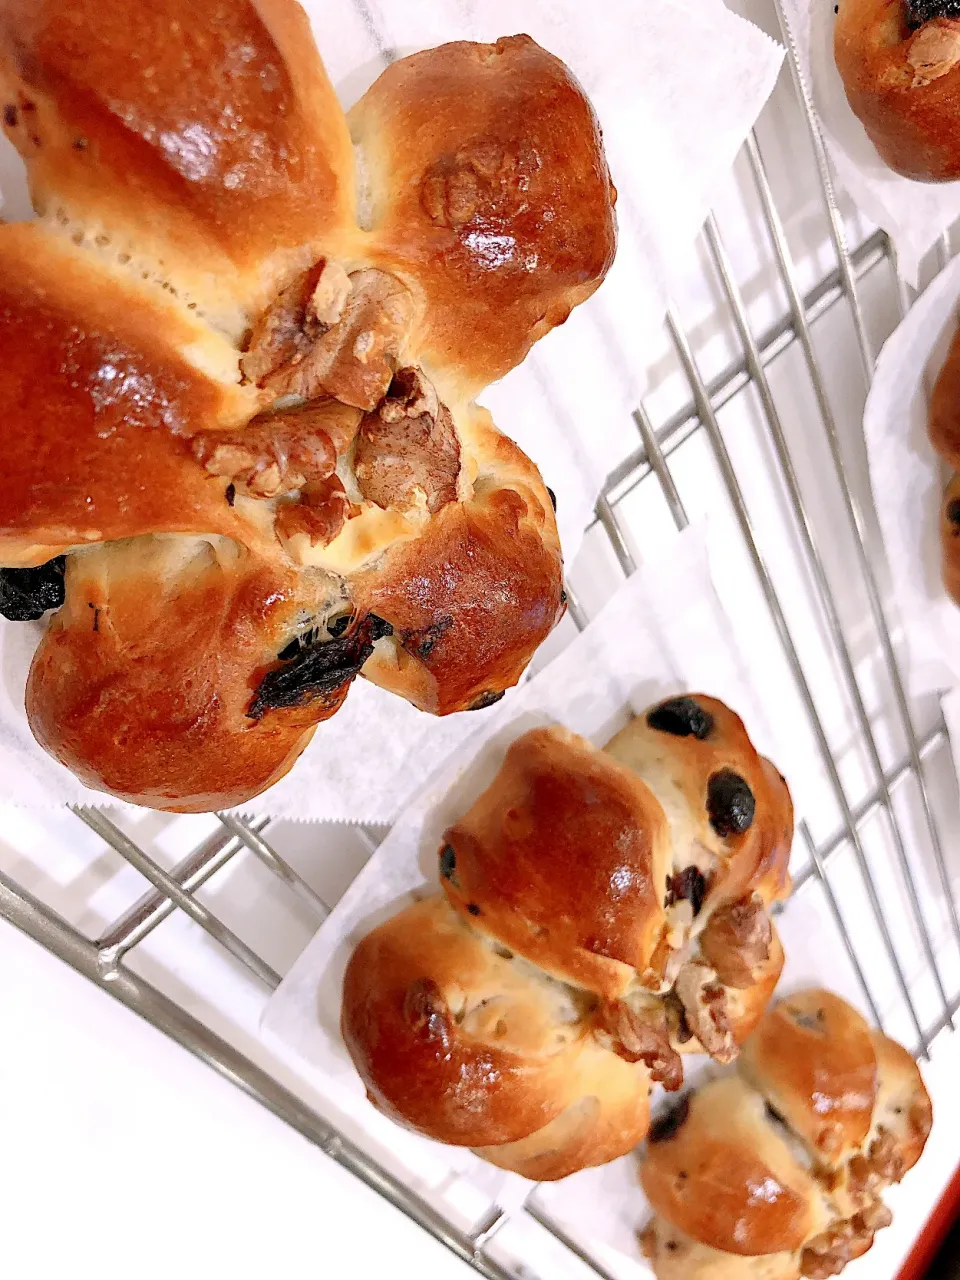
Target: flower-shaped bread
{"x": 240, "y": 350}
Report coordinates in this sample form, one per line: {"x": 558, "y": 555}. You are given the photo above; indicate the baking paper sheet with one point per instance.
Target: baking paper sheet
{"x": 677, "y": 86}
{"x": 914, "y": 214}
{"x": 666, "y": 631}
{"x": 908, "y": 478}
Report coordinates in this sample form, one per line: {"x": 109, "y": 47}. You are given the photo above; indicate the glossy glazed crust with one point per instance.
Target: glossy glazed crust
{"x": 488, "y": 188}
{"x": 473, "y": 597}
{"x": 126, "y": 378}
{"x": 199, "y": 259}
{"x": 813, "y": 1059}
{"x": 205, "y": 139}
{"x": 460, "y": 1042}
{"x": 903, "y": 85}
{"x": 679, "y": 768}
{"x": 528, "y": 1012}
{"x": 707, "y": 1177}
{"x": 145, "y": 694}
{"x": 811, "y": 1051}
{"x": 564, "y": 859}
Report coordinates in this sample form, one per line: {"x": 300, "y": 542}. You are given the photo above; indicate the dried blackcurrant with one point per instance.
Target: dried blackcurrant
{"x": 683, "y": 717}
{"x": 448, "y": 862}
{"x": 953, "y": 514}
{"x": 730, "y": 803}
{"x": 688, "y": 885}
{"x": 27, "y": 594}
{"x": 665, "y": 1126}
{"x": 318, "y": 668}
{"x": 553, "y": 497}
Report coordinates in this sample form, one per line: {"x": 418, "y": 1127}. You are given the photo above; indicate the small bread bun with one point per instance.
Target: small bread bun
{"x": 777, "y": 1172}
{"x": 529, "y": 1012}
{"x": 900, "y": 65}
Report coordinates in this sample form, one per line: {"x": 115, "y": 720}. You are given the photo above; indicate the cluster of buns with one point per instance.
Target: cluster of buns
{"x": 900, "y": 65}
{"x": 602, "y": 913}
{"x": 241, "y": 344}
{"x": 776, "y": 1172}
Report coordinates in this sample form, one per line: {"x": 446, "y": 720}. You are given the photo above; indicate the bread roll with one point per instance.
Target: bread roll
{"x": 899, "y": 60}
{"x": 528, "y": 1012}
{"x": 208, "y": 334}
{"x": 777, "y": 1171}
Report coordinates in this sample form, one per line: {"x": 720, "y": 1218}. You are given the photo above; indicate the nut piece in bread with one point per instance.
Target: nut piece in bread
{"x": 528, "y": 1012}
{"x": 900, "y": 65}
{"x": 209, "y": 335}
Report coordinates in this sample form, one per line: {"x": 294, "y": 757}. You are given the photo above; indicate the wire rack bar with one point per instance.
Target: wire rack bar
{"x": 140, "y": 920}
{"x": 824, "y": 589}
{"x": 254, "y": 841}
{"x": 735, "y": 493}
{"x": 857, "y": 523}
{"x": 167, "y": 885}
{"x": 771, "y": 344}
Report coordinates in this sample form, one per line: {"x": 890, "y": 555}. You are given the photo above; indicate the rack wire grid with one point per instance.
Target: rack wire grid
{"x": 903, "y": 795}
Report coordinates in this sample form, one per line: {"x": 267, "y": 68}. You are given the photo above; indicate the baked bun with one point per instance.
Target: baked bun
{"x": 900, "y": 65}
{"x": 528, "y": 1012}
{"x": 721, "y": 1137}
{"x": 944, "y": 429}
{"x": 823, "y": 1114}
{"x": 207, "y": 337}
{"x": 813, "y": 1059}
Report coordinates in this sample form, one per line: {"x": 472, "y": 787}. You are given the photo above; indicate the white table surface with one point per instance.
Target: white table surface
{"x": 227, "y": 1190}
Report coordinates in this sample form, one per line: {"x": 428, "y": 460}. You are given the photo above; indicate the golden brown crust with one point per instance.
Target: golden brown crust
{"x": 563, "y": 859}
{"x": 208, "y": 139}
{"x": 473, "y": 597}
{"x": 725, "y": 1177}
{"x": 206, "y": 341}
{"x": 944, "y": 430}
{"x": 822, "y": 1106}
{"x": 105, "y": 452}
{"x": 903, "y": 83}
{"x": 903, "y": 1112}
{"x": 950, "y": 538}
{"x": 675, "y": 1256}
{"x": 143, "y": 683}
{"x": 493, "y": 1018}
{"x": 489, "y": 189}
{"x": 813, "y": 1058}
{"x": 457, "y": 1040}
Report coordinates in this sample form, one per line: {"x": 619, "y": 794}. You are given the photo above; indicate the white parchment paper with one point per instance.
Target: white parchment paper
{"x": 908, "y": 478}
{"x": 914, "y": 214}
{"x": 677, "y": 87}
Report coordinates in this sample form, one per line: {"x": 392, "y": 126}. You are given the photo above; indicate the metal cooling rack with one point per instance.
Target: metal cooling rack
{"x": 866, "y": 813}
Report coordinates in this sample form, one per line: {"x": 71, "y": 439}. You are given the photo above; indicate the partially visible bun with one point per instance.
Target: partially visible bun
{"x": 900, "y": 65}
{"x": 813, "y": 1058}
{"x": 777, "y": 1172}
{"x": 705, "y": 1161}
